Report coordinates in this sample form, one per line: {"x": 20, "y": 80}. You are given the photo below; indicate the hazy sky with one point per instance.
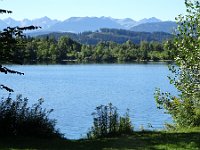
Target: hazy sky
{"x": 63, "y": 9}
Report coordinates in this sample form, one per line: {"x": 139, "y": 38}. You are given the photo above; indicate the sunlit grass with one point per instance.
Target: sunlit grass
{"x": 180, "y": 140}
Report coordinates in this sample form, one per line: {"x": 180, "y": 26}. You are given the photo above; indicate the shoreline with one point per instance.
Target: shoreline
{"x": 92, "y": 62}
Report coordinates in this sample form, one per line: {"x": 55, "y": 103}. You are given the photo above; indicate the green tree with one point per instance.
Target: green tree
{"x": 185, "y": 108}
{"x": 10, "y": 46}
{"x": 144, "y": 48}
{"x": 170, "y": 48}
{"x": 43, "y": 50}
{"x": 16, "y": 117}
{"x": 53, "y": 50}
{"x": 30, "y": 51}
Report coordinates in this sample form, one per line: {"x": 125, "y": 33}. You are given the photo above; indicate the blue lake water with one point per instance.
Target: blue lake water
{"x": 73, "y": 91}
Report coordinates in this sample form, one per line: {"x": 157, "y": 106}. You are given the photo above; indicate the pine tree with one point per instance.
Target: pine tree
{"x": 9, "y": 44}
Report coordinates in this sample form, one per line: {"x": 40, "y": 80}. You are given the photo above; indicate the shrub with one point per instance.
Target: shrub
{"x": 108, "y": 123}
{"x": 18, "y": 119}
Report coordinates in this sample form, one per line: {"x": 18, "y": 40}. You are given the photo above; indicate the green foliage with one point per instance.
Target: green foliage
{"x": 16, "y": 117}
{"x": 65, "y": 49}
{"x": 12, "y": 44}
{"x": 19, "y": 119}
{"x": 108, "y": 123}
{"x": 106, "y": 45}
{"x": 118, "y": 36}
{"x": 11, "y": 47}
{"x": 185, "y": 108}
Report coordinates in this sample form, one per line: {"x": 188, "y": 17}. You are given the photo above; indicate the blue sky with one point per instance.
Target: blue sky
{"x": 63, "y": 9}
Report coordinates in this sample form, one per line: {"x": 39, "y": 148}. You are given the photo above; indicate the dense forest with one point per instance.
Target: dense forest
{"x": 111, "y": 45}
{"x": 64, "y": 49}
{"x": 119, "y": 36}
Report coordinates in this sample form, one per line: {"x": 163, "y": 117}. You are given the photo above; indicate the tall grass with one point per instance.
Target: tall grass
{"x": 108, "y": 123}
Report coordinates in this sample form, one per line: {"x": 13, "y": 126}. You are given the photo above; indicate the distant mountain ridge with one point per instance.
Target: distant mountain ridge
{"x": 82, "y": 24}
{"x": 44, "y": 22}
{"x": 167, "y": 26}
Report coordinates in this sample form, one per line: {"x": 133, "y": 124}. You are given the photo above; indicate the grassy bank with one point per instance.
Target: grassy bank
{"x": 183, "y": 139}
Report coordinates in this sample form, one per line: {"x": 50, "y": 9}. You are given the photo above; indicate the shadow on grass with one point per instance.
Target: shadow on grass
{"x": 139, "y": 140}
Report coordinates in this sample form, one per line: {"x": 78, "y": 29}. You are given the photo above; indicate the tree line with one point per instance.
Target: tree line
{"x": 64, "y": 49}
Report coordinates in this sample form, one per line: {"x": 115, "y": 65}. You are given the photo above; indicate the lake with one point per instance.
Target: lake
{"x": 74, "y": 91}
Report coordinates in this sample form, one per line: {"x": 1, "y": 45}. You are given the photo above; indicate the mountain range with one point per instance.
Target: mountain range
{"x": 82, "y": 24}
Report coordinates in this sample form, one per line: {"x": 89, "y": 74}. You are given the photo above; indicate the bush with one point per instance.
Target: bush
{"x": 108, "y": 123}
{"x": 18, "y": 119}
